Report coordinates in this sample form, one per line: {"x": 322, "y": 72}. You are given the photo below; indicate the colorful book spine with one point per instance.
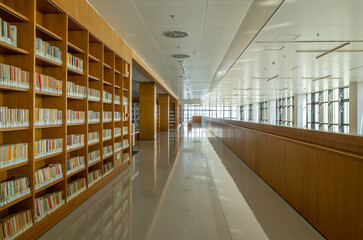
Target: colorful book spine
{"x": 11, "y": 76}
{"x": 118, "y": 146}
{"x": 126, "y": 157}
{"x": 107, "y": 134}
{"x": 75, "y": 164}
{"x": 75, "y": 90}
{"x": 47, "y": 147}
{"x": 13, "y": 154}
{"x": 94, "y": 117}
{"x": 117, "y": 100}
{"x": 46, "y": 50}
{"x": 94, "y": 94}
{"x": 14, "y": 225}
{"x": 74, "y": 62}
{"x": 107, "y": 116}
{"x": 75, "y": 141}
{"x": 74, "y": 117}
{"x": 75, "y": 188}
{"x": 47, "y": 175}
{"x": 117, "y": 132}
{"x": 14, "y": 189}
{"x": 10, "y": 118}
{"x": 94, "y": 156}
{"x": 48, "y": 84}
{"x": 47, "y": 204}
{"x": 125, "y": 130}
{"x": 94, "y": 177}
{"x": 107, "y": 168}
{"x": 8, "y": 33}
{"x": 125, "y": 143}
{"x": 93, "y": 137}
{"x": 47, "y": 117}
{"x": 117, "y": 116}
{"x": 107, "y": 97}
{"x": 107, "y": 151}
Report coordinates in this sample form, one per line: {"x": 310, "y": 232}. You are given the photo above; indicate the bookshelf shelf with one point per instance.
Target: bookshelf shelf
{"x": 15, "y": 202}
{"x": 48, "y": 126}
{"x": 11, "y": 15}
{"x": 125, "y": 89}
{"x": 75, "y": 124}
{"x": 94, "y": 163}
{"x": 46, "y": 34}
{"x": 76, "y": 172}
{"x": 8, "y": 49}
{"x": 92, "y": 58}
{"x": 44, "y": 62}
{"x": 14, "y": 166}
{"x": 95, "y": 143}
{"x": 118, "y": 87}
{"x": 74, "y": 71}
{"x": 117, "y": 72}
{"x": 8, "y": 88}
{"x": 48, "y": 94}
{"x": 13, "y": 129}
{"x": 93, "y": 78}
{"x": 49, "y": 185}
{"x": 105, "y": 65}
{"x": 75, "y": 98}
{"x": 92, "y": 100}
{"x": 75, "y": 149}
{"x": 107, "y": 83}
{"x": 46, "y": 157}
{"x": 91, "y": 123}
{"x": 74, "y": 49}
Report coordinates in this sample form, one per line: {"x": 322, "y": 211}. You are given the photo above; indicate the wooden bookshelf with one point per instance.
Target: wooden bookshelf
{"x": 104, "y": 68}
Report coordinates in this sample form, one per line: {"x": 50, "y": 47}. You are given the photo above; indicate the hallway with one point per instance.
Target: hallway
{"x": 185, "y": 186}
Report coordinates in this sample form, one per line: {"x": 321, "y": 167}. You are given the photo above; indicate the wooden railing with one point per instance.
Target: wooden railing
{"x": 320, "y": 174}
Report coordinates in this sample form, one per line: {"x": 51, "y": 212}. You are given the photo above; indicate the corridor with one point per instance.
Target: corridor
{"x": 184, "y": 186}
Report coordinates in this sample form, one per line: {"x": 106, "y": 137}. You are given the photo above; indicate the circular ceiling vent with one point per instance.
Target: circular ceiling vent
{"x": 175, "y": 34}
{"x": 180, "y": 56}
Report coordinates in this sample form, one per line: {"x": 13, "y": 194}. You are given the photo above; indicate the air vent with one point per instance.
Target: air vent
{"x": 180, "y": 56}
{"x": 175, "y": 34}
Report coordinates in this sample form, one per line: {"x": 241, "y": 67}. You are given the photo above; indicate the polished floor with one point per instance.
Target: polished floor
{"x": 186, "y": 185}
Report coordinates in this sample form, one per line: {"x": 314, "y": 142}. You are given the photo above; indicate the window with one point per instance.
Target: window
{"x": 250, "y": 113}
{"x": 285, "y": 111}
{"x": 263, "y": 112}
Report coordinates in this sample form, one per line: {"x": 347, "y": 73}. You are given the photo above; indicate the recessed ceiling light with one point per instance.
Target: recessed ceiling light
{"x": 286, "y": 37}
{"x": 273, "y": 48}
{"x": 176, "y": 34}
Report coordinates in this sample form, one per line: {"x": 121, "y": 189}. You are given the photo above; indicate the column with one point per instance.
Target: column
{"x": 356, "y": 108}
{"x": 164, "y": 112}
{"x": 147, "y": 110}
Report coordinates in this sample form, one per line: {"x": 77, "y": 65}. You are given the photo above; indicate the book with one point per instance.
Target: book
{"x": 118, "y": 146}
{"x": 93, "y": 137}
{"x": 94, "y": 156}
{"x": 117, "y": 131}
{"x": 125, "y": 143}
{"x": 74, "y": 62}
{"x": 8, "y": 33}
{"x": 75, "y": 117}
{"x": 125, "y": 130}
{"x": 126, "y": 157}
{"x": 125, "y": 100}
{"x": 107, "y": 168}
{"x": 13, "y": 189}
{"x": 74, "y": 164}
{"x": 47, "y": 204}
{"x": 117, "y": 100}
{"x": 107, "y": 134}
{"x": 10, "y": 118}
{"x": 47, "y": 117}
{"x": 46, "y": 50}
{"x": 94, "y": 94}
{"x": 47, "y": 175}
{"x": 13, "y": 154}
{"x": 94, "y": 176}
{"x": 75, "y": 188}
{"x": 94, "y": 117}
{"x": 107, "y": 151}
{"x": 14, "y": 225}
{"x": 75, "y": 90}
{"x": 117, "y": 116}
{"x": 107, "y": 97}
{"x": 107, "y": 116}
{"x": 11, "y": 76}
{"x": 44, "y": 83}
{"x": 47, "y": 147}
{"x": 75, "y": 141}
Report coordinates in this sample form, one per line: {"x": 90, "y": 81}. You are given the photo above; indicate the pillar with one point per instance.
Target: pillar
{"x": 356, "y": 108}
{"x": 147, "y": 101}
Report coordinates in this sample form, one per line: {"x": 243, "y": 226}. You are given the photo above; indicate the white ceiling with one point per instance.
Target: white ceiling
{"x": 310, "y": 26}
{"x": 212, "y": 24}
{"x": 138, "y": 76}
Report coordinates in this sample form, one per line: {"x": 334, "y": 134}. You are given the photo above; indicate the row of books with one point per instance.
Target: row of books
{"x": 107, "y": 151}
{"x": 75, "y": 188}
{"x": 107, "y": 97}
{"x": 93, "y": 137}
{"x": 107, "y": 116}
{"x": 74, "y": 62}
{"x": 14, "y": 189}
{"x": 118, "y": 146}
{"x": 44, "y": 83}
{"x": 75, "y": 90}
{"x": 94, "y": 177}
{"x": 47, "y": 147}
{"x": 8, "y": 33}
{"x": 74, "y": 164}
{"x": 10, "y": 118}
{"x": 94, "y": 94}
{"x": 47, "y": 175}
{"x": 75, "y": 117}
{"x": 47, "y": 204}
{"x": 46, "y": 117}
{"x": 94, "y": 117}
{"x": 125, "y": 143}
{"x": 75, "y": 141}
{"x": 13, "y": 154}
{"x": 125, "y": 130}
{"x": 125, "y": 100}
{"x": 107, "y": 134}
{"x": 46, "y": 50}
{"x": 107, "y": 168}
{"x": 117, "y": 116}
{"x": 117, "y": 99}
{"x": 94, "y": 156}
{"x": 13, "y": 76}
{"x": 117, "y": 132}
{"x": 14, "y": 225}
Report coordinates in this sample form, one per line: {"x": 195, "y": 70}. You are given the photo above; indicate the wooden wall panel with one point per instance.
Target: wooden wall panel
{"x": 164, "y": 112}
{"x": 319, "y": 177}
{"x": 147, "y": 110}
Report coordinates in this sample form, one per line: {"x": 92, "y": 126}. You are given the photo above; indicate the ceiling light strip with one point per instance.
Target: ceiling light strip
{"x": 320, "y": 78}
{"x": 272, "y": 78}
{"x": 332, "y": 50}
